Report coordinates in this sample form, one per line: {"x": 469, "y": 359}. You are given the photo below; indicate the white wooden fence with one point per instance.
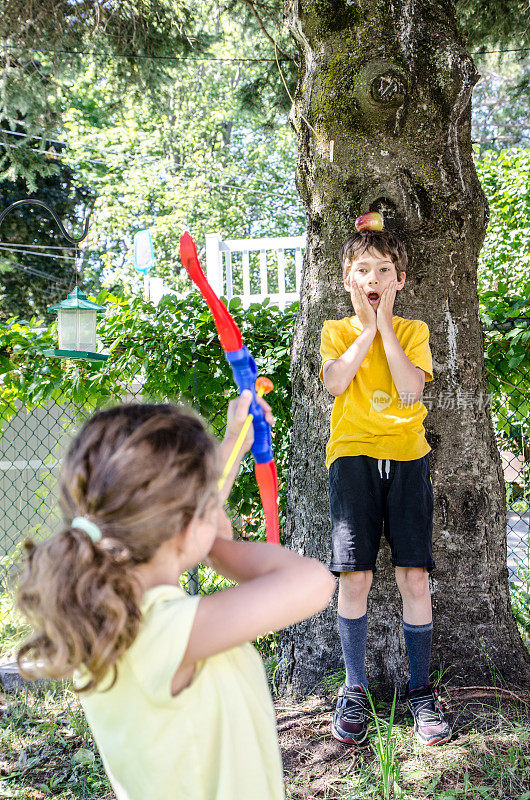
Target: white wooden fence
{"x": 254, "y": 269}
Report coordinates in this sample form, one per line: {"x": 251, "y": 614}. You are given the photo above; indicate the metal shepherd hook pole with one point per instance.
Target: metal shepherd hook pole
{"x": 40, "y": 203}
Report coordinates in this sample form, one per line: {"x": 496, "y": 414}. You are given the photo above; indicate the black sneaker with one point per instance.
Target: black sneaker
{"x": 350, "y": 724}
{"x": 430, "y": 725}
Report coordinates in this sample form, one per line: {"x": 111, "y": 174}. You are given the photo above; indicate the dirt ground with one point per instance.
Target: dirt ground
{"x": 491, "y": 735}
{"x": 46, "y": 749}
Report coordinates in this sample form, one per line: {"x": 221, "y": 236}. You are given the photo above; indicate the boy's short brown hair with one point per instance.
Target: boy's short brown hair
{"x": 386, "y": 242}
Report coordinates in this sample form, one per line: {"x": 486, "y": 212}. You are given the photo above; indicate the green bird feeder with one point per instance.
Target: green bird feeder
{"x": 77, "y": 328}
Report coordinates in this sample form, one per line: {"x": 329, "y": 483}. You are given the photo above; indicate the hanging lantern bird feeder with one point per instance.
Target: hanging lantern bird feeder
{"x": 77, "y": 328}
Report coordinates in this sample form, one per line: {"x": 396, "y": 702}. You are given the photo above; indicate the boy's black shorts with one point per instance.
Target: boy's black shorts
{"x": 368, "y": 496}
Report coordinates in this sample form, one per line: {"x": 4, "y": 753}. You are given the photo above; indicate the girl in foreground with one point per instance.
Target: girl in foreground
{"x": 175, "y": 695}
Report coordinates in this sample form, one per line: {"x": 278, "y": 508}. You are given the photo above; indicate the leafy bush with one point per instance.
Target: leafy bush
{"x": 504, "y": 290}
{"x": 507, "y": 362}
{"x": 173, "y": 351}
{"x": 505, "y": 256}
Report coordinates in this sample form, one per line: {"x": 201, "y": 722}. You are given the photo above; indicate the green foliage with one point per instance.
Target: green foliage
{"x": 504, "y": 290}
{"x": 501, "y": 22}
{"x": 57, "y": 39}
{"x": 159, "y": 52}
{"x": 189, "y": 163}
{"x": 505, "y": 256}
{"x": 508, "y": 370}
{"x": 174, "y": 352}
{"x": 29, "y": 100}
{"x": 152, "y": 27}
{"x": 172, "y": 152}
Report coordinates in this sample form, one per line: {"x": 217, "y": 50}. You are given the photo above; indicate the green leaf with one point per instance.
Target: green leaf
{"x": 83, "y": 756}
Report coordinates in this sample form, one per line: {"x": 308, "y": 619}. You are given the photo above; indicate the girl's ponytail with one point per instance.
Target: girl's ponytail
{"x": 140, "y": 474}
{"x": 87, "y": 616}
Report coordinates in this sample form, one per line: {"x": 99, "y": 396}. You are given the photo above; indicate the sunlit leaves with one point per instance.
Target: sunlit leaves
{"x": 167, "y": 353}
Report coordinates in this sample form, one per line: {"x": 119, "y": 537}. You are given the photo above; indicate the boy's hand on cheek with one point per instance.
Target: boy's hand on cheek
{"x": 362, "y": 307}
{"x": 385, "y": 309}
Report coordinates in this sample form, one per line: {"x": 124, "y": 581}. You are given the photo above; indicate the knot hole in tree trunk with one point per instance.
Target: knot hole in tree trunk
{"x": 381, "y": 89}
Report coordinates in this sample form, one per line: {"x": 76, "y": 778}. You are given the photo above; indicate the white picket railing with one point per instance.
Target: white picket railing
{"x": 254, "y": 269}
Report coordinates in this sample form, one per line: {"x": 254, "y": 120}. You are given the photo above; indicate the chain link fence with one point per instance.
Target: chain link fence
{"x": 32, "y": 443}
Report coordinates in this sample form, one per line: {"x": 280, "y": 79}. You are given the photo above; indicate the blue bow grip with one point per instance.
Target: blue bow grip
{"x": 245, "y": 373}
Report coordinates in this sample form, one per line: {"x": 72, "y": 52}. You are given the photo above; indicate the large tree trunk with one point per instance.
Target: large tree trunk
{"x": 382, "y": 115}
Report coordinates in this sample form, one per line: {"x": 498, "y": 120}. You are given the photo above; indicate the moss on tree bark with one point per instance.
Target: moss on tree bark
{"x": 382, "y": 114}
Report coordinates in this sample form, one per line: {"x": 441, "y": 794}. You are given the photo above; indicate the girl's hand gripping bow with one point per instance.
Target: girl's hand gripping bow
{"x": 245, "y": 373}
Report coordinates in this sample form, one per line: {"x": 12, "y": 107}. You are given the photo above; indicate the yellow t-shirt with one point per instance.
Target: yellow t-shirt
{"x": 369, "y": 418}
{"x": 216, "y": 740}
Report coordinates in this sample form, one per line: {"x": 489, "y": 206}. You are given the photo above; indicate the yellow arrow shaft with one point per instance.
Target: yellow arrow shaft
{"x": 237, "y": 447}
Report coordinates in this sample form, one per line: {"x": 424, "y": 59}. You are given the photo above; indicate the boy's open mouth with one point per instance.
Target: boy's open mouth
{"x": 373, "y": 297}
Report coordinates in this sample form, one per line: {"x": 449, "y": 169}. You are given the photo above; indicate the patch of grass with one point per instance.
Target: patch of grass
{"x": 13, "y": 629}
{"x": 332, "y": 682}
{"x": 488, "y": 757}
{"x": 385, "y": 750}
{"x": 46, "y": 747}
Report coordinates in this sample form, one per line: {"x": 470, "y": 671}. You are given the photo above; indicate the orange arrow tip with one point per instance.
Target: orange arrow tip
{"x": 264, "y": 384}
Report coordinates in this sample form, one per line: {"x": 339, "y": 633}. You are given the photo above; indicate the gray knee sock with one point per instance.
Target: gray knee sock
{"x": 353, "y": 640}
{"x": 418, "y": 639}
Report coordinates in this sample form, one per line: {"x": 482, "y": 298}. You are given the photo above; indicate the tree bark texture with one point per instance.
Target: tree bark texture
{"x": 382, "y": 114}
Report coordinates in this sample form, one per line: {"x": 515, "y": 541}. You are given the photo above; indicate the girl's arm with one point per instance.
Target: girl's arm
{"x": 277, "y": 588}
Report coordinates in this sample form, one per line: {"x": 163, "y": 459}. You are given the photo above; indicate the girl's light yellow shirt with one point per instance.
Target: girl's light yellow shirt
{"x": 216, "y": 740}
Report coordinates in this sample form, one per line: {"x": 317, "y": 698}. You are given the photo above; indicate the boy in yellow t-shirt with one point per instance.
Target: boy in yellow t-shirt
{"x": 375, "y": 365}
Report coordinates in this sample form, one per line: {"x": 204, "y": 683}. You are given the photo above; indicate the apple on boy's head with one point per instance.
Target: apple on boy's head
{"x": 371, "y": 221}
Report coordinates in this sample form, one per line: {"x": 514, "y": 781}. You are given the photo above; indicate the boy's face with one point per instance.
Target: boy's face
{"x": 373, "y": 273}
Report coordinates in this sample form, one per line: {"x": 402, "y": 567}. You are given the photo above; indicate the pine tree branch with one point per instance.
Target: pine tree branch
{"x": 260, "y": 22}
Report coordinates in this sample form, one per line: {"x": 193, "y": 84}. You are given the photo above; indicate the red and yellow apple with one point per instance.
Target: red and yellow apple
{"x": 371, "y": 221}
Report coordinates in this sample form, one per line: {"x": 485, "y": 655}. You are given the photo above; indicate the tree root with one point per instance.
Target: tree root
{"x": 473, "y": 692}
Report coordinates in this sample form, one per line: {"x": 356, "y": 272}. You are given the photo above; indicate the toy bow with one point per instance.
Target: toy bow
{"x": 245, "y": 373}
